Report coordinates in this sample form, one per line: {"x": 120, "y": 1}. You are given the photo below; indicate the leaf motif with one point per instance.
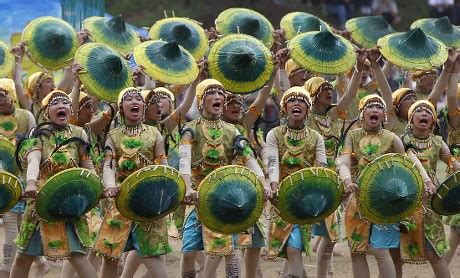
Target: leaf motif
{"x": 371, "y": 149}
{"x": 132, "y": 143}
{"x": 128, "y": 165}
{"x": 213, "y": 155}
{"x": 291, "y": 161}
{"x": 60, "y": 158}
{"x": 215, "y": 133}
{"x": 7, "y": 125}
{"x": 55, "y": 243}
{"x": 295, "y": 143}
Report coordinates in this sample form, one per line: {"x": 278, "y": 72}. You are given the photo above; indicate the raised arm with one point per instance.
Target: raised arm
{"x": 441, "y": 82}
{"x": 24, "y": 101}
{"x": 353, "y": 86}
{"x": 452, "y": 98}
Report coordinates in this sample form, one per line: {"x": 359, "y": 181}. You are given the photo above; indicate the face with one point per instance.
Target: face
{"x": 299, "y": 77}
{"x": 45, "y": 88}
{"x": 213, "y": 104}
{"x": 423, "y": 120}
{"x": 59, "y": 111}
{"x": 324, "y": 96}
{"x": 232, "y": 112}
{"x": 86, "y": 113}
{"x": 6, "y": 105}
{"x": 297, "y": 110}
{"x": 153, "y": 112}
{"x": 427, "y": 81}
{"x": 405, "y": 105}
{"x": 133, "y": 108}
{"x": 373, "y": 117}
{"x": 165, "y": 106}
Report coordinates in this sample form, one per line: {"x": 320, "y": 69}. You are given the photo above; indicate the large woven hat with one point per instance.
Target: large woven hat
{"x": 186, "y": 32}
{"x": 68, "y": 195}
{"x": 245, "y": 21}
{"x": 446, "y": 201}
{"x": 390, "y": 189}
{"x": 113, "y": 32}
{"x": 366, "y": 30}
{"x": 241, "y": 63}
{"x": 150, "y": 193}
{"x": 7, "y": 150}
{"x": 230, "y": 199}
{"x": 6, "y": 60}
{"x": 299, "y": 22}
{"x": 413, "y": 50}
{"x": 441, "y": 29}
{"x": 309, "y": 195}
{"x": 105, "y": 72}
{"x": 51, "y": 42}
{"x": 167, "y": 62}
{"x": 10, "y": 191}
{"x": 322, "y": 52}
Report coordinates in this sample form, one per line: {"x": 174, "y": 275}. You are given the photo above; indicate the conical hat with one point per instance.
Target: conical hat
{"x": 68, "y": 195}
{"x": 322, "y": 52}
{"x": 366, "y": 30}
{"x": 10, "y": 191}
{"x": 7, "y": 150}
{"x": 390, "y": 189}
{"x": 446, "y": 201}
{"x": 167, "y": 62}
{"x": 113, "y": 32}
{"x": 299, "y": 22}
{"x": 245, "y": 21}
{"x": 150, "y": 193}
{"x": 186, "y": 32}
{"x": 441, "y": 29}
{"x": 105, "y": 73}
{"x": 6, "y": 60}
{"x": 309, "y": 195}
{"x": 413, "y": 50}
{"x": 51, "y": 42}
{"x": 230, "y": 199}
{"x": 241, "y": 63}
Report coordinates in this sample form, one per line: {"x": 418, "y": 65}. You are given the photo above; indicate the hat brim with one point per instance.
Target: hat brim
{"x": 428, "y": 26}
{"x": 10, "y": 191}
{"x": 446, "y": 201}
{"x": 6, "y": 60}
{"x": 51, "y": 42}
{"x": 367, "y": 30}
{"x": 230, "y": 199}
{"x": 299, "y": 22}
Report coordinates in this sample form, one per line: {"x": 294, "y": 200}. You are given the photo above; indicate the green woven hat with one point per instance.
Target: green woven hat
{"x": 68, "y": 195}
{"x": 10, "y": 191}
{"x": 230, "y": 199}
{"x": 167, "y": 62}
{"x": 113, "y": 32}
{"x": 299, "y": 22}
{"x": 105, "y": 72}
{"x": 366, "y": 30}
{"x": 322, "y": 52}
{"x": 446, "y": 201}
{"x": 51, "y": 42}
{"x": 413, "y": 50}
{"x": 309, "y": 195}
{"x": 184, "y": 31}
{"x": 6, "y": 60}
{"x": 150, "y": 193}
{"x": 441, "y": 29}
{"x": 241, "y": 63}
{"x": 245, "y": 21}
{"x": 7, "y": 150}
{"x": 390, "y": 189}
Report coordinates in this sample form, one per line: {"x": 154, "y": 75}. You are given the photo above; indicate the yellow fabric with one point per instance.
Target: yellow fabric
{"x": 203, "y": 85}
{"x": 290, "y": 67}
{"x": 370, "y": 98}
{"x": 420, "y": 103}
{"x": 125, "y": 91}
{"x": 314, "y": 84}
{"x": 7, "y": 85}
{"x": 421, "y": 73}
{"x": 147, "y": 94}
{"x": 295, "y": 91}
{"x": 51, "y": 95}
{"x": 400, "y": 94}
{"x": 34, "y": 81}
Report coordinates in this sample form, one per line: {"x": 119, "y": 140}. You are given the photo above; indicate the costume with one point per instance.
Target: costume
{"x": 290, "y": 150}
{"x": 130, "y": 148}
{"x": 398, "y": 97}
{"x": 56, "y": 240}
{"x": 32, "y": 84}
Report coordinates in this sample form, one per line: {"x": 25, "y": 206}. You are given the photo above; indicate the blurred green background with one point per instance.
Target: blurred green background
{"x": 144, "y": 13}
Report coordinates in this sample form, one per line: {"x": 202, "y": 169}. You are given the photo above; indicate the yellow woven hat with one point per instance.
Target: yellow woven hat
{"x": 205, "y": 86}
{"x": 124, "y": 92}
{"x": 400, "y": 94}
{"x": 369, "y": 99}
{"x": 422, "y": 104}
{"x": 295, "y": 92}
{"x": 7, "y": 85}
{"x": 34, "y": 81}
{"x": 290, "y": 67}
{"x": 52, "y": 95}
{"x": 314, "y": 84}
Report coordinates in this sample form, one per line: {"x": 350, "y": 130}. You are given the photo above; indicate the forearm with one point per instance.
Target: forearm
{"x": 350, "y": 93}
{"x": 273, "y": 159}
{"x": 439, "y": 87}
{"x": 33, "y": 165}
{"x": 452, "y": 101}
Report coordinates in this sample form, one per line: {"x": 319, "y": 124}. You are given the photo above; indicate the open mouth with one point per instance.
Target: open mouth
{"x": 296, "y": 111}
{"x": 135, "y": 109}
{"x": 424, "y": 122}
{"x": 216, "y": 105}
{"x": 374, "y": 118}
{"x": 61, "y": 115}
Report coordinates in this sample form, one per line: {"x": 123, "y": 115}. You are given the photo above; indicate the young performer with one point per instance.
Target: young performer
{"x": 37, "y": 237}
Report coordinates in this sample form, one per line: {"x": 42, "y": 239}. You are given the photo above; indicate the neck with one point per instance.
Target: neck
{"x": 319, "y": 108}
{"x": 296, "y": 124}
{"x": 130, "y": 123}
{"x": 8, "y": 111}
{"x": 209, "y": 116}
{"x": 369, "y": 129}
{"x": 420, "y": 133}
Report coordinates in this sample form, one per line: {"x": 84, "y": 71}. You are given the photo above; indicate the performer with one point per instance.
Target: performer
{"x": 207, "y": 143}
{"x": 131, "y": 146}
{"x": 328, "y": 121}
{"x": 292, "y": 147}
{"x": 361, "y": 146}
{"x": 58, "y": 240}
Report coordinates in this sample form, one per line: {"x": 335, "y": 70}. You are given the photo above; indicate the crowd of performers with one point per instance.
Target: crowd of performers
{"x": 323, "y": 121}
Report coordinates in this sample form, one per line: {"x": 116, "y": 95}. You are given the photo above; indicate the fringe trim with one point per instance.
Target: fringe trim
{"x": 219, "y": 254}
{"x": 57, "y": 258}
{"x": 416, "y": 261}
